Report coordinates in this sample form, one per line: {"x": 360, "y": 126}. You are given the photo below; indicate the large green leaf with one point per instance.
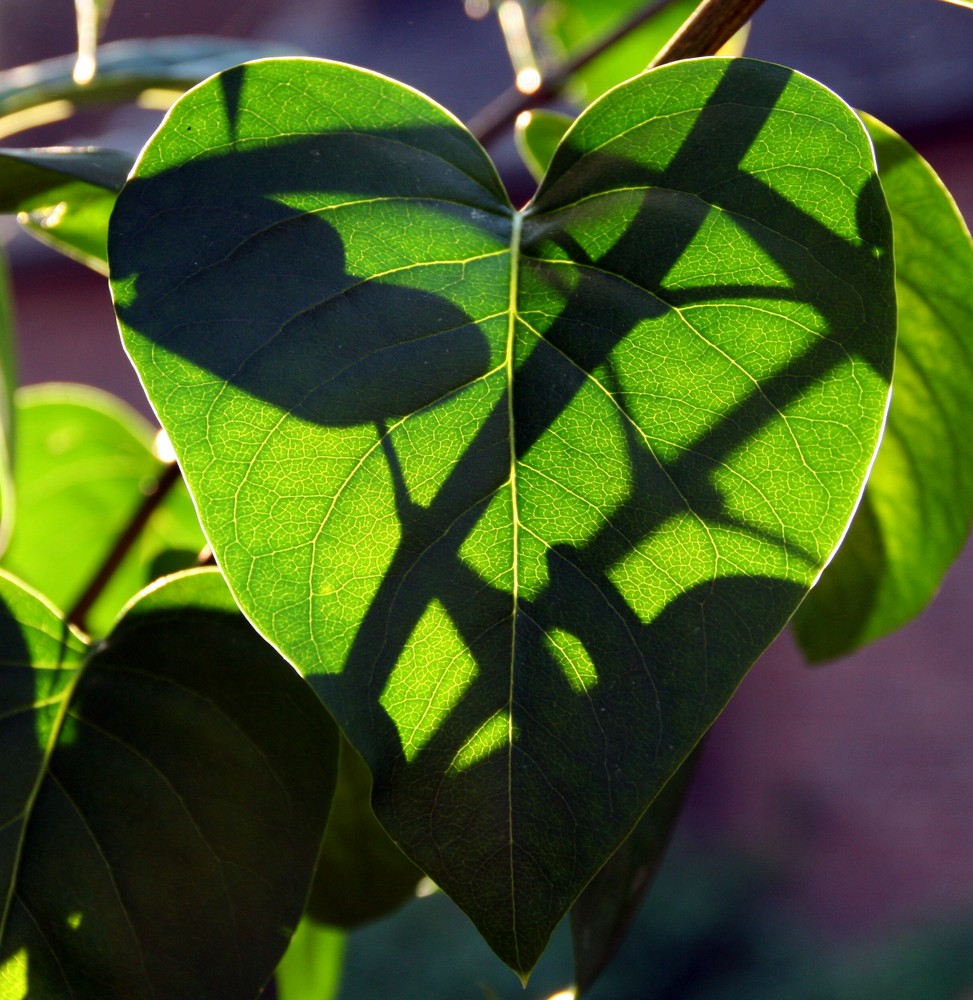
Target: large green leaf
{"x": 916, "y": 513}
{"x": 64, "y": 197}
{"x": 163, "y": 797}
{"x": 523, "y": 492}
{"x": 84, "y": 462}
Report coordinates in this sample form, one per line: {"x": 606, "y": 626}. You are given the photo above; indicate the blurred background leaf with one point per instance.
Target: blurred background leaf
{"x": 84, "y": 462}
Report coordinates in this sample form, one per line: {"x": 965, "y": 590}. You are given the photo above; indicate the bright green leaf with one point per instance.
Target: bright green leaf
{"x": 311, "y": 966}
{"x": 573, "y": 467}
{"x": 602, "y": 913}
{"x": 569, "y": 28}
{"x": 537, "y": 134}
{"x": 174, "y": 777}
{"x": 361, "y": 874}
{"x": 84, "y": 462}
{"x": 64, "y": 197}
{"x": 572, "y": 26}
{"x": 916, "y": 513}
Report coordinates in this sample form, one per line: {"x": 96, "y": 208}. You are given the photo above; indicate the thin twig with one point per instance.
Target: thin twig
{"x": 711, "y": 25}
{"x": 129, "y": 536}
{"x": 503, "y": 110}
{"x": 705, "y": 32}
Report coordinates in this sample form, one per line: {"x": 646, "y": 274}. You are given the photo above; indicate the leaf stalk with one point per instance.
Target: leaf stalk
{"x": 167, "y": 479}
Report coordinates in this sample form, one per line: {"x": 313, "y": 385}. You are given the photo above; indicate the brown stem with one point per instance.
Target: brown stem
{"x": 705, "y": 32}
{"x": 503, "y": 110}
{"x": 711, "y": 25}
{"x": 129, "y": 536}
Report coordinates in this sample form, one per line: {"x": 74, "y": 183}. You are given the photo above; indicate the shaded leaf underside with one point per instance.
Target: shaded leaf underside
{"x": 176, "y": 776}
{"x": 523, "y": 493}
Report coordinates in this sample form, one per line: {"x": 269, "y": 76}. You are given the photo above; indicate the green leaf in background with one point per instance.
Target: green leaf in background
{"x": 8, "y": 383}
{"x": 537, "y": 134}
{"x": 917, "y": 509}
{"x": 569, "y": 27}
{"x": 46, "y": 91}
{"x": 174, "y": 777}
{"x": 361, "y": 874}
{"x": 574, "y": 467}
{"x": 311, "y": 966}
{"x": 610, "y": 902}
{"x": 84, "y": 461}
{"x": 64, "y": 197}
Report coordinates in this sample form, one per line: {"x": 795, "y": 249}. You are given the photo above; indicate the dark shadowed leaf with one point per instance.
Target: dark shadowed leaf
{"x": 171, "y": 779}
{"x": 64, "y": 197}
{"x": 573, "y": 466}
{"x": 916, "y": 512}
{"x": 84, "y": 463}
{"x": 603, "y": 912}
{"x": 361, "y": 874}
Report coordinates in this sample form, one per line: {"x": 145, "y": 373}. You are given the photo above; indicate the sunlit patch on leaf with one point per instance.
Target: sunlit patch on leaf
{"x": 490, "y": 738}
{"x": 432, "y": 673}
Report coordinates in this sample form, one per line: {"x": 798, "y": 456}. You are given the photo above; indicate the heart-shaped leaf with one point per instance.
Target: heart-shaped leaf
{"x": 523, "y": 492}
{"x": 915, "y": 516}
{"x": 174, "y": 777}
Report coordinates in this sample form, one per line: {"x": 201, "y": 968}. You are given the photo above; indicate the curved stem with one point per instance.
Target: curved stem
{"x": 711, "y": 25}
{"x": 129, "y": 536}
